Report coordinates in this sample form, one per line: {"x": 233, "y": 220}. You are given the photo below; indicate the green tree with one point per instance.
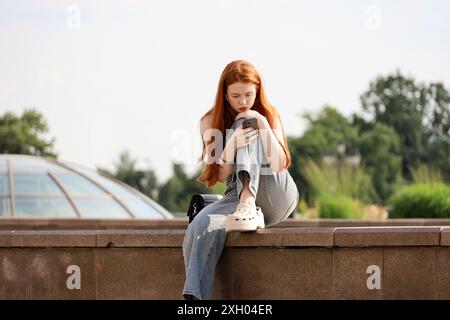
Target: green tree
{"x": 297, "y": 163}
{"x": 436, "y": 101}
{"x": 438, "y": 156}
{"x": 143, "y": 180}
{"x": 169, "y": 193}
{"x": 436, "y": 108}
{"x": 420, "y": 115}
{"x": 22, "y": 135}
{"x": 176, "y": 193}
{"x": 381, "y": 156}
{"x": 325, "y": 131}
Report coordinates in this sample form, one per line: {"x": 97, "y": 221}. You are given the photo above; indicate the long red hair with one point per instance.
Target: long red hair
{"x": 222, "y": 114}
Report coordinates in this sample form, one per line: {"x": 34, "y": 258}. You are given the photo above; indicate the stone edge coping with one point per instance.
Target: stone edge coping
{"x": 270, "y": 237}
{"x": 8, "y": 223}
{"x": 25, "y": 223}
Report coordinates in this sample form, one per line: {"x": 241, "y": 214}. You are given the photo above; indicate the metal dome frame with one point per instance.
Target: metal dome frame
{"x": 73, "y": 168}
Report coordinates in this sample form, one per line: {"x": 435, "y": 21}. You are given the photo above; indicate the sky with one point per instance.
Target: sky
{"x": 111, "y": 76}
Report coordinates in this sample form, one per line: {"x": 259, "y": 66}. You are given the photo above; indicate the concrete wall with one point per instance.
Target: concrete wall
{"x": 275, "y": 263}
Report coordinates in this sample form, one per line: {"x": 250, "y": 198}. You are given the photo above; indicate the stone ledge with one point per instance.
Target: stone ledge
{"x": 308, "y": 237}
{"x": 274, "y": 263}
{"x": 5, "y": 239}
{"x": 445, "y": 236}
{"x": 140, "y": 238}
{"x": 8, "y": 223}
{"x": 387, "y": 236}
{"x": 271, "y": 237}
{"x": 53, "y": 238}
{"x": 259, "y": 238}
{"x": 282, "y": 237}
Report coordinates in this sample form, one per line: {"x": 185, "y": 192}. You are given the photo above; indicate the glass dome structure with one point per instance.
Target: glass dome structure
{"x": 33, "y": 186}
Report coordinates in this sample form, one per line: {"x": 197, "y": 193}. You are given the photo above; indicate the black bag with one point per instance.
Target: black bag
{"x": 199, "y": 201}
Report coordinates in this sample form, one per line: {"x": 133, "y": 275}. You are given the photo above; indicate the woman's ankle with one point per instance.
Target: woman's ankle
{"x": 247, "y": 198}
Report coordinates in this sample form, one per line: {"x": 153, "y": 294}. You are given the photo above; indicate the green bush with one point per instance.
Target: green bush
{"x": 351, "y": 181}
{"x": 339, "y": 207}
{"x": 421, "y": 201}
{"x": 302, "y": 207}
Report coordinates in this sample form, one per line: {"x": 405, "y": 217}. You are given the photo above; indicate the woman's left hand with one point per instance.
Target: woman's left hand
{"x": 252, "y": 114}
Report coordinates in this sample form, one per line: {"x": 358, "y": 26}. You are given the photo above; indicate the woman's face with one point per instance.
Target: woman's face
{"x": 241, "y": 96}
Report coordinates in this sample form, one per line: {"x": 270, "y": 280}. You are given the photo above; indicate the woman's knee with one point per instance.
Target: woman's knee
{"x": 281, "y": 213}
{"x": 204, "y": 218}
{"x": 201, "y": 221}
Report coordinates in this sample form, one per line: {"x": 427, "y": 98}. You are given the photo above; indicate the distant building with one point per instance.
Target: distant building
{"x": 353, "y": 160}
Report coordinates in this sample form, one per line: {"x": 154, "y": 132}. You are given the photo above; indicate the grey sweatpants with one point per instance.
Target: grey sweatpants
{"x": 276, "y": 194}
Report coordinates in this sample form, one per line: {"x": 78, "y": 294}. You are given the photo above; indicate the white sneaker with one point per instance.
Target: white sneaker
{"x": 245, "y": 218}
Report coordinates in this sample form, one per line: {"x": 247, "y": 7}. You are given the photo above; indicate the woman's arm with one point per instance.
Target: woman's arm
{"x": 238, "y": 139}
{"x": 272, "y": 140}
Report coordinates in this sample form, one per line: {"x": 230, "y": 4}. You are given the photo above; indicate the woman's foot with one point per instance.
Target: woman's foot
{"x": 248, "y": 199}
{"x": 190, "y": 297}
{"x": 247, "y": 217}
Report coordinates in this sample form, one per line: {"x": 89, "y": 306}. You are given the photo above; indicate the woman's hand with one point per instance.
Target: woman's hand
{"x": 252, "y": 114}
{"x": 241, "y": 137}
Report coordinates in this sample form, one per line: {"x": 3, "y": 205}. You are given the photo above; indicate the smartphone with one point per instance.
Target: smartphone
{"x": 252, "y": 122}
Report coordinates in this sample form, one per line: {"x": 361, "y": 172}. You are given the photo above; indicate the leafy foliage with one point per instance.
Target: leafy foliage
{"x": 421, "y": 201}
{"x": 339, "y": 207}
{"x": 419, "y": 114}
{"x": 125, "y": 170}
{"x": 22, "y": 135}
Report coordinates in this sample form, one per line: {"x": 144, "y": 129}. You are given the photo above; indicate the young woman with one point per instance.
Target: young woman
{"x": 259, "y": 190}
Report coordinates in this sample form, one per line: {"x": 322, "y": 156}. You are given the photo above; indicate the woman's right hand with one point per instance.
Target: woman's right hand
{"x": 241, "y": 137}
